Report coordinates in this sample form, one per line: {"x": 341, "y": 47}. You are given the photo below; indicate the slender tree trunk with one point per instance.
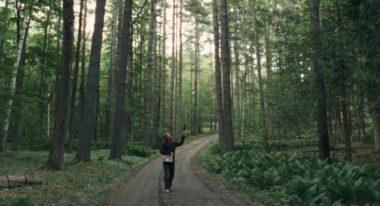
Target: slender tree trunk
{"x": 111, "y": 71}
{"x": 228, "y": 141}
{"x": 263, "y": 121}
{"x": 83, "y": 64}
{"x": 268, "y": 58}
{"x": 4, "y": 28}
{"x": 63, "y": 92}
{"x": 163, "y": 74}
{"x": 9, "y": 104}
{"x": 72, "y": 125}
{"x": 196, "y": 80}
{"x": 88, "y": 122}
{"x": 180, "y": 68}
{"x": 171, "y": 110}
{"x": 17, "y": 106}
{"x": 319, "y": 84}
{"x": 375, "y": 116}
{"x": 53, "y": 90}
{"x": 43, "y": 86}
{"x": 119, "y": 113}
{"x": 149, "y": 82}
{"x": 237, "y": 99}
{"x": 130, "y": 86}
{"x": 343, "y": 77}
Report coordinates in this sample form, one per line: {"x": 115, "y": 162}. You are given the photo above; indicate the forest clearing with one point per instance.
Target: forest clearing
{"x": 270, "y": 102}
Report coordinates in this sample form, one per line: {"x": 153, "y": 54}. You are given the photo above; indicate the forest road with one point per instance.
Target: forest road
{"x": 192, "y": 186}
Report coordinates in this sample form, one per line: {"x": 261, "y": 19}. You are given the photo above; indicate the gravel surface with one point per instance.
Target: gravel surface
{"x": 192, "y": 185}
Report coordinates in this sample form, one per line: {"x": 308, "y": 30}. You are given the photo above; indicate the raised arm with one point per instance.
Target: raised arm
{"x": 181, "y": 142}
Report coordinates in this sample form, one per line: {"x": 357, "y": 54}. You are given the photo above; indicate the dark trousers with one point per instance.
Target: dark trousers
{"x": 168, "y": 174}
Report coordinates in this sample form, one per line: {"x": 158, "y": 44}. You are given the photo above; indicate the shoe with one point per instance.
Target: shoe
{"x": 167, "y": 190}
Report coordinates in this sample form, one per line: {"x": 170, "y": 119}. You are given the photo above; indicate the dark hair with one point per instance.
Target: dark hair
{"x": 165, "y": 135}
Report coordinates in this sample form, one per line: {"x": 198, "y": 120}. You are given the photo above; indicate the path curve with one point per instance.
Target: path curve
{"x": 191, "y": 185}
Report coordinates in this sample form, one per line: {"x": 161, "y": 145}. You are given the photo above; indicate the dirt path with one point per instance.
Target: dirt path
{"x": 191, "y": 186}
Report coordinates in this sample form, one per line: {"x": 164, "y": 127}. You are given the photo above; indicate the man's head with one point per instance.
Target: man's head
{"x": 167, "y": 136}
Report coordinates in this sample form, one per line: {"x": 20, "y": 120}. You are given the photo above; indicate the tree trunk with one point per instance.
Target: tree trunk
{"x": 218, "y": 73}
{"x": 375, "y": 116}
{"x": 319, "y": 84}
{"x": 16, "y": 68}
{"x": 119, "y": 113}
{"x": 111, "y": 71}
{"x": 17, "y": 107}
{"x": 83, "y": 65}
{"x": 171, "y": 110}
{"x": 72, "y": 126}
{"x": 163, "y": 74}
{"x": 43, "y": 79}
{"x": 343, "y": 80}
{"x": 180, "y": 68}
{"x": 63, "y": 92}
{"x": 227, "y": 143}
{"x": 90, "y": 107}
{"x": 237, "y": 99}
{"x": 263, "y": 121}
{"x": 130, "y": 87}
{"x": 195, "y": 124}
{"x": 12, "y": 181}
{"x": 150, "y": 78}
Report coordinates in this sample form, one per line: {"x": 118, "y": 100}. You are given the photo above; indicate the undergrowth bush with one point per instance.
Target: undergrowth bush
{"x": 292, "y": 143}
{"x": 140, "y": 151}
{"x": 295, "y": 180}
{"x": 43, "y": 144}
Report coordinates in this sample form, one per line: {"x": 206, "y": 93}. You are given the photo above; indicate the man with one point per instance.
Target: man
{"x": 168, "y": 151}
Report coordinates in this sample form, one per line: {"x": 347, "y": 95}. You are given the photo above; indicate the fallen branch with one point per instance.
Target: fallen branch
{"x": 12, "y": 181}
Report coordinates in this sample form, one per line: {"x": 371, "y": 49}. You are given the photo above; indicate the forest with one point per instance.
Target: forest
{"x": 291, "y": 88}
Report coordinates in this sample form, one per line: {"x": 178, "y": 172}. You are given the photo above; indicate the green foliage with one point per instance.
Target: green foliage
{"x": 18, "y": 201}
{"x": 292, "y": 143}
{"x": 77, "y": 184}
{"x": 140, "y": 151}
{"x": 43, "y": 144}
{"x": 295, "y": 180}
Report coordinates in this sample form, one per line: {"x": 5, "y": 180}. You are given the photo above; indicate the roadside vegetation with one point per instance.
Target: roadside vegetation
{"x": 285, "y": 178}
{"x": 76, "y": 184}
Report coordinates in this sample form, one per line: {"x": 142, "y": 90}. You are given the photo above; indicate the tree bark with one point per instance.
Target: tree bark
{"x": 90, "y": 108}
{"x": 43, "y": 79}
{"x": 195, "y": 124}
{"x": 218, "y": 73}
{"x": 319, "y": 84}
{"x": 343, "y": 80}
{"x": 171, "y": 109}
{"x": 150, "y": 78}
{"x": 237, "y": 99}
{"x": 17, "y": 106}
{"x": 16, "y": 67}
{"x": 72, "y": 126}
{"x": 263, "y": 121}
{"x": 180, "y": 68}
{"x": 375, "y": 116}
{"x": 63, "y": 92}
{"x": 83, "y": 65}
{"x": 111, "y": 71}
{"x": 227, "y": 143}
{"x": 117, "y": 134}
{"x": 163, "y": 74}
{"x": 13, "y": 181}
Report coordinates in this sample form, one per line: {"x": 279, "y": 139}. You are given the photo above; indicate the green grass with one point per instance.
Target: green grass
{"x": 279, "y": 178}
{"x": 76, "y": 184}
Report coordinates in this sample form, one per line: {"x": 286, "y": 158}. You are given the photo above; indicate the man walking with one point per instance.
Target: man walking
{"x": 168, "y": 151}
